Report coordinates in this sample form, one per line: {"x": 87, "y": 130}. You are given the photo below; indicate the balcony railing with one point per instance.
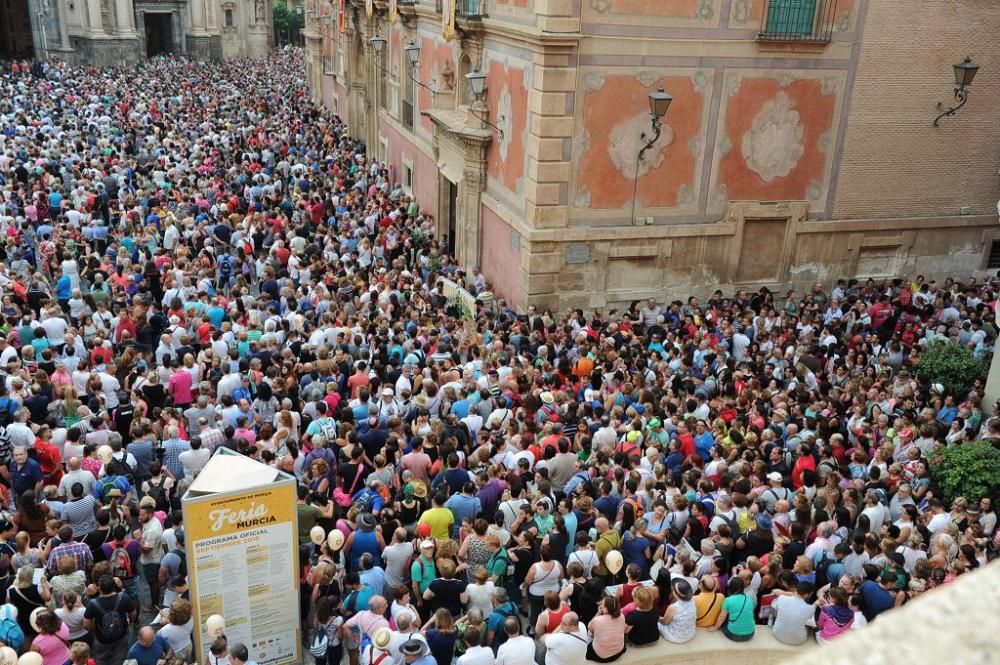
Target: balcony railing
{"x": 470, "y": 8}
{"x": 798, "y": 21}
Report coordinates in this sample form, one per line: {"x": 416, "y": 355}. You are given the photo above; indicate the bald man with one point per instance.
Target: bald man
{"x": 568, "y": 644}
{"x": 75, "y": 474}
{"x": 150, "y": 648}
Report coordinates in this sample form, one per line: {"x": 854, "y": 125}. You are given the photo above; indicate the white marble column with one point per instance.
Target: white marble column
{"x": 198, "y": 18}
{"x": 63, "y": 25}
{"x": 126, "y": 19}
{"x": 93, "y": 21}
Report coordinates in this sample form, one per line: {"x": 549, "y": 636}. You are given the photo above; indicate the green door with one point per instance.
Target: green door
{"x": 791, "y": 17}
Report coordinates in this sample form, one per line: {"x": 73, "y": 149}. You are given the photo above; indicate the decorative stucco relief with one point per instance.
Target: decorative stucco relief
{"x": 627, "y": 140}
{"x": 773, "y": 145}
{"x": 505, "y": 115}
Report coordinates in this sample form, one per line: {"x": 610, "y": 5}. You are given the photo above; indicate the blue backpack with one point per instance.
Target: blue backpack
{"x": 10, "y": 632}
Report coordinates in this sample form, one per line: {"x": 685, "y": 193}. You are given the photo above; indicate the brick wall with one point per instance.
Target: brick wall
{"x": 894, "y": 162}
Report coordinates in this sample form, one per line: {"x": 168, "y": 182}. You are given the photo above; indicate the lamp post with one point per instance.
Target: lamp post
{"x": 659, "y": 102}
{"x": 412, "y": 52}
{"x": 477, "y": 85}
{"x": 965, "y": 71}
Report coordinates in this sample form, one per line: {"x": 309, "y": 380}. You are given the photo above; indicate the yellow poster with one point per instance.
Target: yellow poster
{"x": 448, "y": 19}
{"x": 242, "y": 557}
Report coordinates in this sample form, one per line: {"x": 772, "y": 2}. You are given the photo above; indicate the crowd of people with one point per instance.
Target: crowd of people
{"x": 194, "y": 256}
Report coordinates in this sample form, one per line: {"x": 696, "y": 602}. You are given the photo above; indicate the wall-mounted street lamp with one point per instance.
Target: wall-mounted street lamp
{"x": 412, "y": 52}
{"x": 965, "y": 71}
{"x": 659, "y": 102}
{"x": 477, "y": 85}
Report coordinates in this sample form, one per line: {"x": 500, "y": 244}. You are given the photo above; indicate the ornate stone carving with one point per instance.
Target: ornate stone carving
{"x": 593, "y": 81}
{"x": 773, "y": 144}
{"x": 647, "y": 78}
{"x": 259, "y": 11}
{"x": 706, "y": 10}
{"x": 505, "y": 112}
{"x": 601, "y": 6}
{"x": 742, "y": 11}
{"x": 107, "y": 15}
{"x": 447, "y": 76}
{"x": 626, "y": 141}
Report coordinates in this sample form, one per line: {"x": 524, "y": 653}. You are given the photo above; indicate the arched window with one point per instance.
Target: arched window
{"x": 229, "y": 18}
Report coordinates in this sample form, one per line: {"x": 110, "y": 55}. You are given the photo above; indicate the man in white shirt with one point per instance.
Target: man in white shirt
{"x": 194, "y": 460}
{"x": 518, "y": 649}
{"x": 568, "y": 645}
{"x": 76, "y": 474}
{"x": 940, "y": 518}
{"x": 110, "y": 387}
{"x": 792, "y": 613}
{"x": 476, "y": 654}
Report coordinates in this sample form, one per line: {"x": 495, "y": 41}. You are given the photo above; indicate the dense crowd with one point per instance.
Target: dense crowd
{"x": 194, "y": 257}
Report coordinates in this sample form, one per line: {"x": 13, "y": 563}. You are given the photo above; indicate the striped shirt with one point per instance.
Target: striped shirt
{"x": 80, "y": 515}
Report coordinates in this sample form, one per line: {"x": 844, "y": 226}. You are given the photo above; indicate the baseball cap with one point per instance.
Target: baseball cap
{"x": 426, "y": 543}
{"x": 654, "y": 423}
{"x": 774, "y": 476}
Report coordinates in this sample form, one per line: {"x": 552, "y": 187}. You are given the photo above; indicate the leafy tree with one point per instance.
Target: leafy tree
{"x": 286, "y": 20}
{"x": 967, "y": 469}
{"x": 950, "y": 364}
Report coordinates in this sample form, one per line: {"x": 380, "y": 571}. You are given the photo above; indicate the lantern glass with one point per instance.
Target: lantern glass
{"x": 659, "y": 102}
{"x": 965, "y": 71}
{"x": 477, "y": 82}
{"x": 412, "y": 53}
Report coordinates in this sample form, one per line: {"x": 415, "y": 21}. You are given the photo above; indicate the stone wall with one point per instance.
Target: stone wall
{"x": 894, "y": 162}
{"x": 105, "y": 52}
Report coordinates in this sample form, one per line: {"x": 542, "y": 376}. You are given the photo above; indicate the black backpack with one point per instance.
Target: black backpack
{"x": 7, "y": 407}
{"x": 159, "y": 494}
{"x": 112, "y": 625}
{"x": 822, "y": 567}
{"x": 182, "y": 567}
{"x": 119, "y": 467}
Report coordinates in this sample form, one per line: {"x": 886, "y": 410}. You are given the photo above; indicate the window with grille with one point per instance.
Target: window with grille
{"x": 798, "y": 20}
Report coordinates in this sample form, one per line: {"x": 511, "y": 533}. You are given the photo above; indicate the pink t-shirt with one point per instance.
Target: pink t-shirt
{"x": 419, "y": 464}
{"x": 180, "y": 387}
{"x": 53, "y": 647}
{"x": 609, "y": 634}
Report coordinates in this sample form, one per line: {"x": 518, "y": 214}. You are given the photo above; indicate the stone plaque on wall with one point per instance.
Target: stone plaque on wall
{"x": 578, "y": 253}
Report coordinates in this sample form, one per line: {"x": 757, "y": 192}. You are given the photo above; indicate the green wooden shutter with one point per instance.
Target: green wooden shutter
{"x": 791, "y": 17}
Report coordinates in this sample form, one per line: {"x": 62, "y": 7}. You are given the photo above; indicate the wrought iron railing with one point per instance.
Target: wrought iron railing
{"x": 470, "y": 8}
{"x": 798, "y": 21}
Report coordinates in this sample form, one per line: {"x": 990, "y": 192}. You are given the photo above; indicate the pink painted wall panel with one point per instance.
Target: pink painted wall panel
{"x": 425, "y": 181}
{"x": 500, "y": 262}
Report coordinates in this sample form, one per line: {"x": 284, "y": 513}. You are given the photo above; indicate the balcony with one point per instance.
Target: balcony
{"x": 470, "y": 9}
{"x": 809, "y": 21}
{"x": 467, "y": 9}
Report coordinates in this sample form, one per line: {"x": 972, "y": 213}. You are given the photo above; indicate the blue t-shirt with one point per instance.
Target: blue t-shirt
{"x": 64, "y": 288}
{"x": 151, "y": 654}
{"x": 607, "y": 506}
{"x": 877, "y": 599}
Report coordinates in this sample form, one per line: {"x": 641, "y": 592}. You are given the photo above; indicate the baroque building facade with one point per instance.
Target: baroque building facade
{"x": 125, "y": 32}
{"x": 799, "y": 145}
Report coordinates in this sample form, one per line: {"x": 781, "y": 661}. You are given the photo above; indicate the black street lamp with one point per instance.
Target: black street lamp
{"x": 965, "y": 71}
{"x": 659, "y": 102}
